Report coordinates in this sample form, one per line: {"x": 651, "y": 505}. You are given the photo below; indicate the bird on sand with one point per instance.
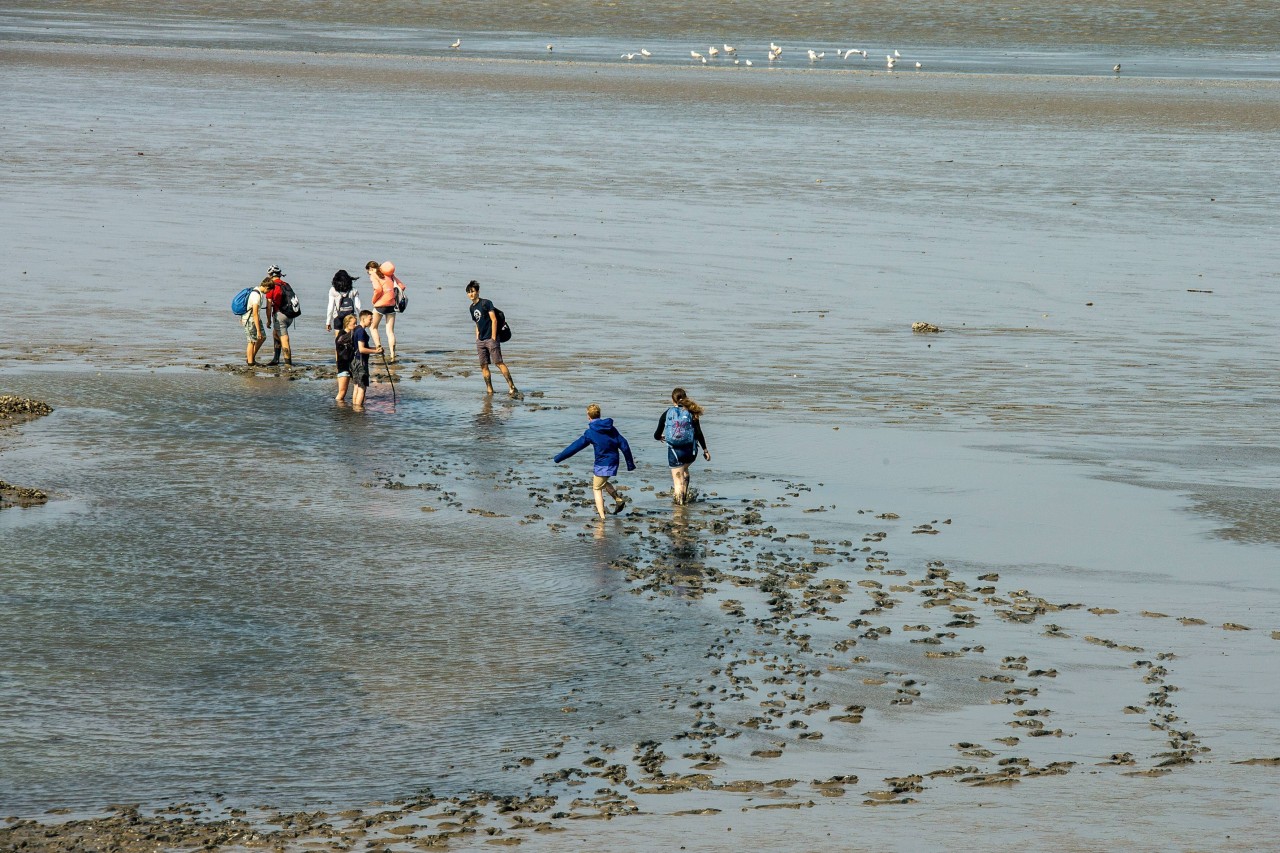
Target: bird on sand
{"x": 457, "y": 44}
{"x": 713, "y": 51}
{"x": 695, "y": 54}
{"x": 1117, "y": 68}
{"x": 730, "y": 49}
{"x": 644, "y": 52}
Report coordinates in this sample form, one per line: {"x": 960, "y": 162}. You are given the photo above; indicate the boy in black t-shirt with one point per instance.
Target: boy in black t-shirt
{"x": 360, "y": 363}
{"x": 487, "y": 346}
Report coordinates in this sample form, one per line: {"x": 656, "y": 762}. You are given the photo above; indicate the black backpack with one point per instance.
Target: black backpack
{"x": 344, "y": 348}
{"x": 504, "y": 331}
{"x": 292, "y": 307}
{"x": 346, "y": 307}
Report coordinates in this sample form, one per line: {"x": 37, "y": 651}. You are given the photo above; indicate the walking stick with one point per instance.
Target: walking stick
{"x": 390, "y": 378}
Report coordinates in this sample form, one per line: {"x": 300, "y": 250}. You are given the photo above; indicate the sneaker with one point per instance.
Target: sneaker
{"x": 621, "y": 502}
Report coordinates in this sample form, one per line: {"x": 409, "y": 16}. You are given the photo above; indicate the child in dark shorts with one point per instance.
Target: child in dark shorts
{"x": 360, "y": 361}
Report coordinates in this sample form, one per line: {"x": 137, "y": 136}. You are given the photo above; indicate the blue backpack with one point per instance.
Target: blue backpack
{"x": 240, "y": 302}
{"x": 679, "y": 429}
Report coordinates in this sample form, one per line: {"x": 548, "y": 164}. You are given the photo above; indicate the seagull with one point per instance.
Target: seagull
{"x": 918, "y": 65}
{"x": 551, "y": 47}
{"x": 890, "y": 61}
{"x": 850, "y": 52}
{"x": 712, "y": 51}
{"x": 730, "y": 49}
{"x": 695, "y": 54}
{"x": 748, "y": 62}
{"x": 644, "y": 52}
{"x": 897, "y": 55}
{"x": 773, "y": 48}
{"x": 628, "y": 56}
{"x": 864, "y": 53}
{"x": 1117, "y": 68}
{"x": 813, "y": 55}
{"x": 457, "y": 44}
{"x": 773, "y": 56}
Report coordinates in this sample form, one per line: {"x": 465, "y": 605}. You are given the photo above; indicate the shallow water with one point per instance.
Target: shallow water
{"x": 1097, "y": 426}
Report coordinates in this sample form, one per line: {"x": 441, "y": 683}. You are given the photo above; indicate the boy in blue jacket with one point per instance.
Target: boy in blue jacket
{"x": 607, "y": 442}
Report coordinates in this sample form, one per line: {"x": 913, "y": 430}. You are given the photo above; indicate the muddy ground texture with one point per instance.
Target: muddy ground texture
{"x": 816, "y": 636}
{"x": 13, "y": 411}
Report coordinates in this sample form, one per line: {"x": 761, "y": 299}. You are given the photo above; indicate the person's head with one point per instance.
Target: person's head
{"x": 273, "y": 271}
{"x": 372, "y": 266}
{"x": 681, "y": 399}
{"x": 593, "y": 411}
{"x": 386, "y": 269}
{"x": 265, "y": 284}
{"x": 342, "y": 281}
{"x": 349, "y": 322}
{"x": 366, "y": 317}
{"x": 473, "y": 290}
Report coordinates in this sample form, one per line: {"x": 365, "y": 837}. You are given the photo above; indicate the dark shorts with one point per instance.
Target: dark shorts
{"x": 386, "y": 310}
{"x": 359, "y": 372}
{"x": 489, "y": 351}
{"x": 681, "y": 455}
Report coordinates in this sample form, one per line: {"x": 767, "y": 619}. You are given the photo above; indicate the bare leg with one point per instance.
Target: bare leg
{"x": 599, "y": 495}
{"x": 377, "y": 339}
{"x": 506, "y": 374}
{"x": 488, "y": 378}
{"x": 284, "y": 347}
{"x": 391, "y": 336}
{"x": 343, "y": 383}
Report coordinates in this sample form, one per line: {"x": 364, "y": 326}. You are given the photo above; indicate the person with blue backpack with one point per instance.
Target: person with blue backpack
{"x": 609, "y": 447}
{"x": 344, "y": 302}
{"x": 681, "y": 429}
{"x": 247, "y": 306}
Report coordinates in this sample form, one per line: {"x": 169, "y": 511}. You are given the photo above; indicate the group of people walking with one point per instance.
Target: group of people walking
{"x": 356, "y": 332}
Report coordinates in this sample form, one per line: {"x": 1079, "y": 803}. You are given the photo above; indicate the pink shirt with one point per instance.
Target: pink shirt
{"x": 384, "y": 295}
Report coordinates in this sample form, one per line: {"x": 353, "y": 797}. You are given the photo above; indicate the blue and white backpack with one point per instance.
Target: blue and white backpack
{"x": 678, "y": 431}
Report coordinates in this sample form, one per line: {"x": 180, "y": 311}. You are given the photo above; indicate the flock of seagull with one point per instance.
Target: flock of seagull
{"x": 729, "y": 52}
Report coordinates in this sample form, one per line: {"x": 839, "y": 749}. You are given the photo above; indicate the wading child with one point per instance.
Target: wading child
{"x": 360, "y": 362}
{"x": 344, "y": 347}
{"x": 608, "y": 444}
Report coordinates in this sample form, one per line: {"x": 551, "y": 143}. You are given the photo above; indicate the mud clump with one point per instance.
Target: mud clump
{"x": 13, "y": 409}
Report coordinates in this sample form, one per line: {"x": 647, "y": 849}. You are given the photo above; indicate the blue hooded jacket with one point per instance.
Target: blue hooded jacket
{"x": 607, "y": 442}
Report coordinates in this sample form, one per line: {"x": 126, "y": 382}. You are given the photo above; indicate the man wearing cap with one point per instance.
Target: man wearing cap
{"x": 276, "y": 318}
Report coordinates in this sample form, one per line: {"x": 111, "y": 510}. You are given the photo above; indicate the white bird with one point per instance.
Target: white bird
{"x": 897, "y": 55}
{"x": 1117, "y": 68}
{"x": 813, "y": 55}
{"x": 773, "y": 56}
{"x": 628, "y": 56}
{"x": 850, "y": 52}
{"x": 748, "y": 62}
{"x": 730, "y": 49}
{"x": 890, "y": 61}
{"x": 822, "y": 54}
{"x": 864, "y": 53}
{"x": 918, "y": 65}
{"x": 773, "y": 48}
{"x": 713, "y": 51}
{"x": 737, "y": 62}
{"x": 457, "y": 44}
{"x": 551, "y": 47}
{"x": 644, "y": 52}
{"x": 695, "y": 54}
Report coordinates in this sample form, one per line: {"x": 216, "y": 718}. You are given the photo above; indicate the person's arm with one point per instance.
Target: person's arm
{"x": 493, "y": 324}
{"x": 662, "y": 424}
{"x": 331, "y": 310}
{"x": 701, "y": 439}
{"x": 626, "y": 452}
{"x": 572, "y": 449}
{"x": 257, "y": 315}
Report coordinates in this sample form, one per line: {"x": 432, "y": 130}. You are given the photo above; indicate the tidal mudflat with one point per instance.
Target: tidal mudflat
{"x": 1013, "y": 580}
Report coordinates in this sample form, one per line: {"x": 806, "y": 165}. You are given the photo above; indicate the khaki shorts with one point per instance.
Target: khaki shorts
{"x": 598, "y": 482}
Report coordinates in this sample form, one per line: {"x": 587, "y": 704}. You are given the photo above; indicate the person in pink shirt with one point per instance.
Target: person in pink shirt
{"x": 385, "y": 284}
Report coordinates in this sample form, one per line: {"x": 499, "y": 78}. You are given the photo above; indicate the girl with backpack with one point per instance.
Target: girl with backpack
{"x": 680, "y": 427}
{"x": 388, "y": 291}
{"x": 344, "y": 301}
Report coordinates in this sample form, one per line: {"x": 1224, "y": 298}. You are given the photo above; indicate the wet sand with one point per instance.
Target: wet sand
{"x": 961, "y": 576}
